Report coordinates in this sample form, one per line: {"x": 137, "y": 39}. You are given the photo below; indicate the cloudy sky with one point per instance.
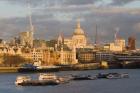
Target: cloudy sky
{"x": 50, "y": 17}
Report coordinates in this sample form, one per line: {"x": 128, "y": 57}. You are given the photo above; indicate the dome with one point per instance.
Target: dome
{"x": 78, "y": 30}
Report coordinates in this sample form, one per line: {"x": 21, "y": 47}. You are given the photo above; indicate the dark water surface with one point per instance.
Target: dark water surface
{"x": 130, "y": 85}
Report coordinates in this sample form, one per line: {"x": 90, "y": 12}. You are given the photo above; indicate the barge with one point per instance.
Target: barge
{"x": 83, "y": 77}
{"x": 112, "y": 75}
{"x": 43, "y": 80}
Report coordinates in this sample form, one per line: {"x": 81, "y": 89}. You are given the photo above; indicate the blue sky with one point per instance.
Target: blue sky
{"x": 51, "y": 17}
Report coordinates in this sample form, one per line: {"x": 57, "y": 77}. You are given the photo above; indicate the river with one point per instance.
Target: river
{"x": 128, "y": 85}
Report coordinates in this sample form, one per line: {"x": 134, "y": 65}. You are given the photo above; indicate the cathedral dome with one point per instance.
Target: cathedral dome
{"x": 78, "y": 30}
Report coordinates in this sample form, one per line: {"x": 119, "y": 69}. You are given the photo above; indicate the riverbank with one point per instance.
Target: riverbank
{"x": 91, "y": 66}
{"x": 78, "y": 67}
{"x": 9, "y": 69}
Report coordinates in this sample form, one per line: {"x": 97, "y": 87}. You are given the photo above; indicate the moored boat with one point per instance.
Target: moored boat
{"x": 125, "y": 75}
{"x": 48, "y": 76}
{"x": 83, "y": 77}
{"x": 22, "y": 79}
{"x": 117, "y": 75}
{"x": 52, "y": 77}
{"x": 113, "y": 76}
{"x": 101, "y": 75}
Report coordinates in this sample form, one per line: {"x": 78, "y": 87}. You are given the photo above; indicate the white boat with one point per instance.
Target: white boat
{"x": 111, "y": 76}
{"x": 22, "y": 79}
{"x": 48, "y": 76}
{"x": 125, "y": 75}
{"x": 117, "y": 76}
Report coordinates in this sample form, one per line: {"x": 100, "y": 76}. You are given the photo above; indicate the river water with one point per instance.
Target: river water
{"x": 130, "y": 85}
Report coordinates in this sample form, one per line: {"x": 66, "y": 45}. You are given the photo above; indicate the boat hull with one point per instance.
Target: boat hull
{"x": 38, "y": 83}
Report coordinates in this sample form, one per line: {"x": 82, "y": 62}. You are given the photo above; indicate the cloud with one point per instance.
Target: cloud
{"x": 121, "y": 2}
{"x": 116, "y": 10}
{"x": 68, "y": 2}
{"x": 137, "y": 27}
{"x": 52, "y": 2}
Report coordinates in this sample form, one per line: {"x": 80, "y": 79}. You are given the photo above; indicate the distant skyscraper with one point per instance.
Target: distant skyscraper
{"x": 131, "y": 43}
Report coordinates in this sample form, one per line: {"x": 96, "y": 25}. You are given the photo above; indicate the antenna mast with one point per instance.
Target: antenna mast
{"x": 116, "y": 33}
{"x": 96, "y": 35}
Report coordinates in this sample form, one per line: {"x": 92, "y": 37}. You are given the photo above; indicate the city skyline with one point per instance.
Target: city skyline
{"x": 53, "y": 17}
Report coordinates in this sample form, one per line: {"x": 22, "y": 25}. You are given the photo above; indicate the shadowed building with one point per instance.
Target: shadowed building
{"x": 131, "y": 43}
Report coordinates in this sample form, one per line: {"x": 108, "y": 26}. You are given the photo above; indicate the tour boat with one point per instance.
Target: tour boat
{"x": 44, "y": 79}
{"x": 22, "y": 79}
{"x": 48, "y": 76}
{"x": 53, "y": 78}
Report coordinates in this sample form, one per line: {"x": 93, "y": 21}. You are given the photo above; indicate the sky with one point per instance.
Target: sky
{"x": 51, "y": 17}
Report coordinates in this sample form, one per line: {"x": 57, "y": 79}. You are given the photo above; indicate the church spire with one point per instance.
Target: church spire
{"x": 31, "y": 27}
{"x": 30, "y": 18}
{"x": 78, "y": 23}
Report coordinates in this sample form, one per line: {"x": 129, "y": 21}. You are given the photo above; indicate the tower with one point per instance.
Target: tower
{"x": 60, "y": 39}
{"x": 26, "y": 38}
{"x": 96, "y": 36}
{"x": 62, "y": 55}
{"x": 116, "y": 33}
{"x": 31, "y": 27}
{"x": 74, "y": 60}
{"x": 131, "y": 43}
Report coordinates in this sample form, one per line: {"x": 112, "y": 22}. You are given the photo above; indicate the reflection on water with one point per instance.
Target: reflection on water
{"x": 130, "y": 85}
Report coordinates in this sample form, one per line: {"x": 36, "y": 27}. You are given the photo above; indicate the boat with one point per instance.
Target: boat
{"x": 125, "y": 75}
{"x": 22, "y": 79}
{"x": 38, "y": 83}
{"x": 83, "y": 77}
{"x": 117, "y": 75}
{"x": 113, "y": 76}
{"x": 48, "y": 76}
{"x": 52, "y": 77}
{"x": 101, "y": 75}
{"x": 44, "y": 79}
